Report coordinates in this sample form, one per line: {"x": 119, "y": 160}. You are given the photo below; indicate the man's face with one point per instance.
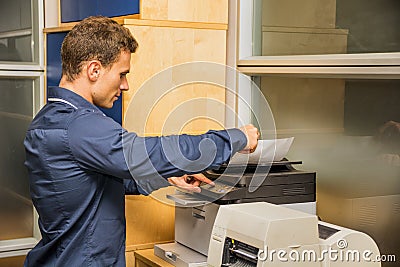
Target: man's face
{"x": 112, "y": 81}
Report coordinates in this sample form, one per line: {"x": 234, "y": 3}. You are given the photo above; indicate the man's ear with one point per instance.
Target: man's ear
{"x": 93, "y": 70}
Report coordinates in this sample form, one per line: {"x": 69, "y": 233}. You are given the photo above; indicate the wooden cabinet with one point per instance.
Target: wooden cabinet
{"x": 206, "y": 11}
{"x": 149, "y": 221}
{"x": 164, "y": 43}
{"x": 157, "y": 110}
{"x": 146, "y": 258}
{"x": 168, "y": 107}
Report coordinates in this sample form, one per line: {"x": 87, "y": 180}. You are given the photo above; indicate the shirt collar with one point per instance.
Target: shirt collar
{"x": 69, "y": 97}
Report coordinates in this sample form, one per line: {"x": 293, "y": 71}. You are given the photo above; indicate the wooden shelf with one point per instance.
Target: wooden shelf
{"x": 64, "y": 27}
{"x": 176, "y": 24}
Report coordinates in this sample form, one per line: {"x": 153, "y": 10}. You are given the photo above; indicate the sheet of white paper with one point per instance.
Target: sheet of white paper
{"x": 266, "y": 151}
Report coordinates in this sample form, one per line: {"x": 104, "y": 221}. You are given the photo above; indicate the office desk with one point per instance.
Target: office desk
{"x": 146, "y": 258}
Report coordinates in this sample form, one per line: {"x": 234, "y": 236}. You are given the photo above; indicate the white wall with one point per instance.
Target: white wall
{"x": 51, "y": 13}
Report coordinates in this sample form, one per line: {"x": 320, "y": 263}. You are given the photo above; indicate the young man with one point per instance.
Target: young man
{"x": 81, "y": 163}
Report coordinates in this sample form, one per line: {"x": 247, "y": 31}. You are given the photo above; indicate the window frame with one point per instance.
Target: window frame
{"x": 28, "y": 70}
{"x": 36, "y": 32}
{"x": 21, "y": 246}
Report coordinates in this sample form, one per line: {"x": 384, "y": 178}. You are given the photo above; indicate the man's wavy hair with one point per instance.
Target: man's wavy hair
{"x": 94, "y": 38}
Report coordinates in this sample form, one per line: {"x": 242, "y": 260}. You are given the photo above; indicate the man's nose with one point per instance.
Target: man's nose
{"x": 124, "y": 84}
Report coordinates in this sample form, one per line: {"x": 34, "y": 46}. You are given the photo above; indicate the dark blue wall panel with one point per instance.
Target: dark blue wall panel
{"x": 53, "y": 57}
{"x": 53, "y": 74}
{"x": 75, "y": 10}
{"x": 117, "y": 8}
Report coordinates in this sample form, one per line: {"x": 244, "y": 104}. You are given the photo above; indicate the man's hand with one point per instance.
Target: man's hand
{"x": 190, "y": 182}
{"x": 252, "y": 135}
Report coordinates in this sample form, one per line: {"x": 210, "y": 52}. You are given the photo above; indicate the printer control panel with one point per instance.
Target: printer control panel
{"x": 218, "y": 188}
{"x": 216, "y": 191}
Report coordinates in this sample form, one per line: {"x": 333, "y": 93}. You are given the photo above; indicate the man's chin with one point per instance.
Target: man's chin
{"x": 108, "y": 106}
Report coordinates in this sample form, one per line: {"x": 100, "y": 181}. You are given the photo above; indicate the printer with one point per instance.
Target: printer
{"x": 195, "y": 213}
{"x": 263, "y": 234}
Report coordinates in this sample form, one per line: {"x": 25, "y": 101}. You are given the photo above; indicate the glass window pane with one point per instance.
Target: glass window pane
{"x": 16, "y": 112}
{"x": 348, "y": 131}
{"x": 16, "y": 34}
{"x": 303, "y": 27}
{"x": 17, "y": 95}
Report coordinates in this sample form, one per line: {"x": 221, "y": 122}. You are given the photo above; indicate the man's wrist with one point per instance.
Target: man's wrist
{"x": 238, "y": 139}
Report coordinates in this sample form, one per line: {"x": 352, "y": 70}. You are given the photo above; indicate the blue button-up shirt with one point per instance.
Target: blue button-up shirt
{"x": 82, "y": 163}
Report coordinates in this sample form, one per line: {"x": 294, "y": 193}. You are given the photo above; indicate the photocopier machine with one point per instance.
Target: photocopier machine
{"x": 260, "y": 215}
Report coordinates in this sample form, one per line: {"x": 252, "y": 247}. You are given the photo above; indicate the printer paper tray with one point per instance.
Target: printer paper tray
{"x": 186, "y": 199}
{"x": 179, "y": 255}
